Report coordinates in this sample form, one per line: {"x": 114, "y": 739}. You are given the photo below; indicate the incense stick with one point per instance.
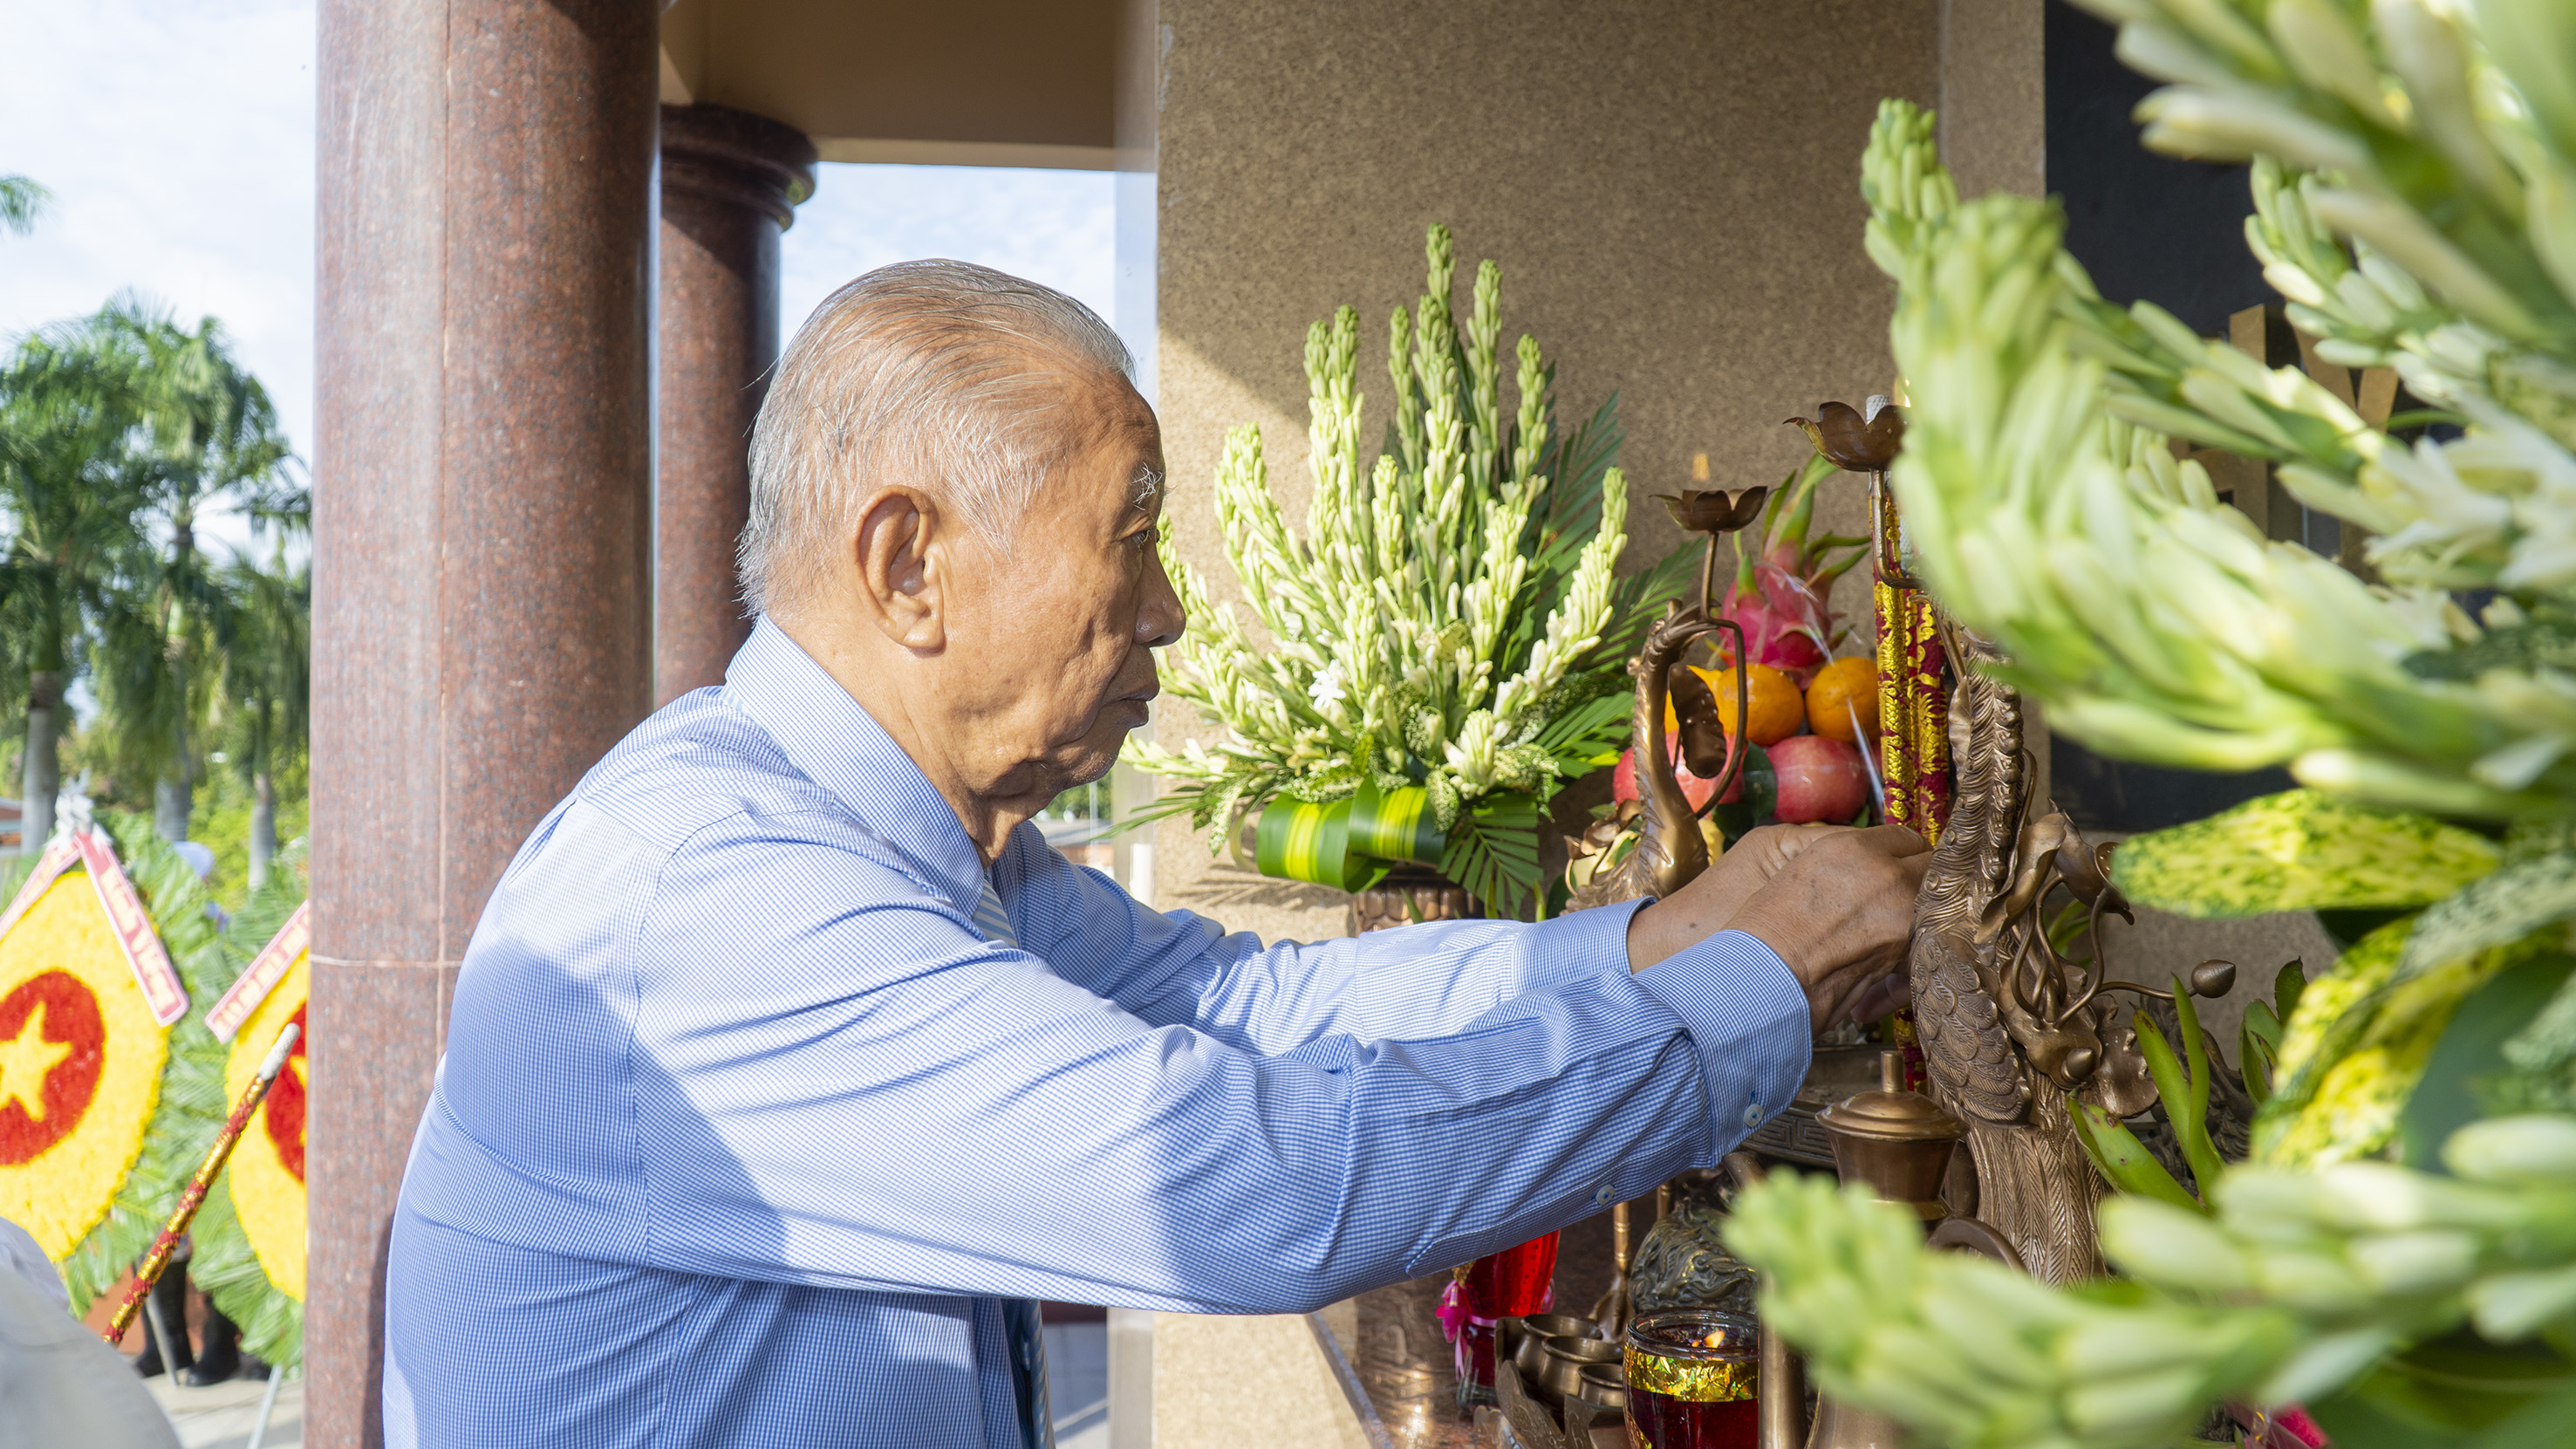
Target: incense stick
{"x": 1868, "y": 764}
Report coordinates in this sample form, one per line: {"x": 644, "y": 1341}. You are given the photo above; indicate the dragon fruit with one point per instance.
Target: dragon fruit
{"x": 1784, "y": 582}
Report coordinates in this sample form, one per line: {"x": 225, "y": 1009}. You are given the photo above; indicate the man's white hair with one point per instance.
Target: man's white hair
{"x": 934, "y": 373}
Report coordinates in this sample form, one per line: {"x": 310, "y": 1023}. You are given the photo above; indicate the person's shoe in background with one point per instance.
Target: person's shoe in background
{"x": 220, "y": 1360}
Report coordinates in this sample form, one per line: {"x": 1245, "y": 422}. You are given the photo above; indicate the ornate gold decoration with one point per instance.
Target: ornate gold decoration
{"x": 1851, "y": 442}
{"x": 1913, "y": 689}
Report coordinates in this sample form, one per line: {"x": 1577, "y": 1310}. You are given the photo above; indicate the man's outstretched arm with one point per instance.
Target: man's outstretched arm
{"x": 1180, "y": 969}
{"x": 849, "y": 1088}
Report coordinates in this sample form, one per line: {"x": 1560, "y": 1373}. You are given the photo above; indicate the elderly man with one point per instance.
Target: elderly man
{"x": 788, "y": 1065}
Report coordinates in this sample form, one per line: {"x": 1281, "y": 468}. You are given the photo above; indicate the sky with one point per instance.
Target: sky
{"x": 177, "y": 138}
{"x": 1055, "y": 227}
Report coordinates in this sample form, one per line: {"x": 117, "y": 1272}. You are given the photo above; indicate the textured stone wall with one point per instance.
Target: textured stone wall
{"x": 1993, "y": 98}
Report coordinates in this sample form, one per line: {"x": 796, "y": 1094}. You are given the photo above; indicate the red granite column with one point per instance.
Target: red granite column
{"x": 730, "y": 184}
{"x": 483, "y": 478}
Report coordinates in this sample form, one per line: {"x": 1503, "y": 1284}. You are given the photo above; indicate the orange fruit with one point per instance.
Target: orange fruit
{"x": 1844, "y": 688}
{"x": 1777, "y": 710}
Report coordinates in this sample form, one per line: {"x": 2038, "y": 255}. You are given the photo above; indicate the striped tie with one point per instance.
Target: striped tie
{"x": 1020, "y": 1315}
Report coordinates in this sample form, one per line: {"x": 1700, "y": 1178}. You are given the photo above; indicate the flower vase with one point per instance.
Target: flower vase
{"x": 1407, "y": 897}
{"x": 1516, "y": 1281}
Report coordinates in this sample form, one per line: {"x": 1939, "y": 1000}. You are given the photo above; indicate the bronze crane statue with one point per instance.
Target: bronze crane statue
{"x": 1669, "y": 849}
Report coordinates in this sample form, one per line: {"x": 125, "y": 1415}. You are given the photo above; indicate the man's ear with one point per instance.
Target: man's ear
{"x": 899, "y": 550}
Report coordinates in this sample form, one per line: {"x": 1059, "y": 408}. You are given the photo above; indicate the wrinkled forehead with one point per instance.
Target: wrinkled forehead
{"x": 1112, "y": 446}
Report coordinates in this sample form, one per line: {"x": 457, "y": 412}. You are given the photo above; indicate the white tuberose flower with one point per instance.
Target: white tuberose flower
{"x": 1327, "y": 692}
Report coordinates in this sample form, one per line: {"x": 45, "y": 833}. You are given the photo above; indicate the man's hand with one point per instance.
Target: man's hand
{"x": 1836, "y": 904}
{"x": 1706, "y": 905}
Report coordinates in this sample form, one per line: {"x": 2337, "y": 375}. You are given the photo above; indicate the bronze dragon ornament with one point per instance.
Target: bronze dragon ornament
{"x": 2009, "y": 1022}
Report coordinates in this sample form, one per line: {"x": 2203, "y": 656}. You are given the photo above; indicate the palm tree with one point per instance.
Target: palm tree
{"x": 69, "y": 412}
{"x": 21, "y": 202}
{"x": 212, "y": 444}
{"x": 266, "y": 637}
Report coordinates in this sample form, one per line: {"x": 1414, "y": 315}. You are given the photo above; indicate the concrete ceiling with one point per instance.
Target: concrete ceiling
{"x": 964, "y": 82}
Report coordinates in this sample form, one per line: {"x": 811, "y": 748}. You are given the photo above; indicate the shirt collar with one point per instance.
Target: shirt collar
{"x": 840, "y": 746}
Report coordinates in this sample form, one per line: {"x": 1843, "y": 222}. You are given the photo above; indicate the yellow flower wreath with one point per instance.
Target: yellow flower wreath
{"x": 267, "y": 1171}
{"x": 80, "y": 1066}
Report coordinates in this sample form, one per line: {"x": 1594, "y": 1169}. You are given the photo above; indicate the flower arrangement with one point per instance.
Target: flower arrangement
{"x": 2400, "y": 1251}
{"x": 1444, "y": 648}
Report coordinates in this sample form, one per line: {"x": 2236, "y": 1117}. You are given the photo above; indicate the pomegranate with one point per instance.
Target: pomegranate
{"x": 1821, "y": 779}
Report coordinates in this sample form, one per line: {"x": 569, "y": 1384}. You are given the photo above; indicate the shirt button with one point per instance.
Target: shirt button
{"x": 1753, "y": 1114}
{"x": 1603, "y": 1195}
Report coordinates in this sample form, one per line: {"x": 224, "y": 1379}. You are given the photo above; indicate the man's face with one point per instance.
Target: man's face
{"x": 1059, "y": 635}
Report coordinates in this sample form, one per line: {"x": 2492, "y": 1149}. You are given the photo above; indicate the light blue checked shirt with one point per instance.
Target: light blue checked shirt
{"x": 746, "y": 1135}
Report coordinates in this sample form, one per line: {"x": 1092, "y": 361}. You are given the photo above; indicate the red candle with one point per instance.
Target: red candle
{"x": 1514, "y": 1281}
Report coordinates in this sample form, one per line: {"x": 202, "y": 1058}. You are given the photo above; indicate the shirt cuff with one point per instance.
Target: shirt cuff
{"x": 1571, "y": 947}
{"x": 1748, "y": 1017}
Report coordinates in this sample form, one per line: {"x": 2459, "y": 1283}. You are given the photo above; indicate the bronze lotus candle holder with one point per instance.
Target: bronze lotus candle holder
{"x": 1851, "y": 441}
{"x": 1705, "y": 745}
{"x": 1914, "y": 671}
{"x": 1671, "y": 850}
